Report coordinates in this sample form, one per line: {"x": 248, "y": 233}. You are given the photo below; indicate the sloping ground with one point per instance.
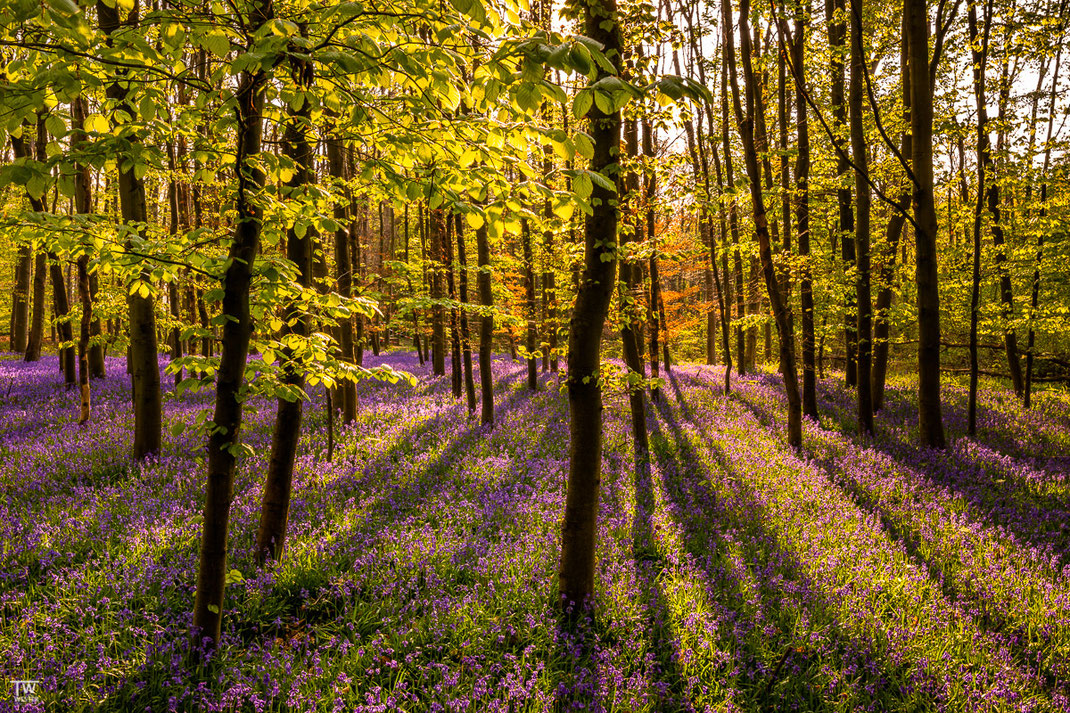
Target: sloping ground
{"x": 420, "y": 569}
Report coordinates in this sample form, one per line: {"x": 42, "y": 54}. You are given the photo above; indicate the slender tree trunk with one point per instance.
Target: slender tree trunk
{"x": 579, "y": 526}
{"x": 837, "y": 32}
{"x": 781, "y": 310}
{"x": 347, "y": 390}
{"x": 657, "y": 317}
{"x": 930, "y": 420}
{"x": 143, "y": 354}
{"x": 61, "y": 308}
{"x": 486, "y": 327}
{"x": 96, "y": 347}
{"x": 1034, "y": 299}
{"x": 529, "y": 305}
{"x": 802, "y": 209}
{"x": 224, "y": 443}
{"x": 893, "y": 235}
{"x": 83, "y": 205}
{"x": 40, "y": 264}
{"x": 1006, "y": 293}
{"x": 466, "y": 337}
{"x": 455, "y": 332}
{"x": 278, "y": 484}
{"x": 438, "y": 327}
{"x": 979, "y": 48}
{"x": 631, "y": 334}
{"x": 862, "y": 207}
{"x": 733, "y": 222}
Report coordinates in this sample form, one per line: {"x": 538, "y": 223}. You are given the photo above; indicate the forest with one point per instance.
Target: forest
{"x": 511, "y": 355}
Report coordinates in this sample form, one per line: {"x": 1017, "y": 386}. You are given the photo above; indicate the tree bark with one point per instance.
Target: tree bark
{"x": 781, "y": 311}
{"x": 223, "y": 443}
{"x": 347, "y": 390}
{"x": 486, "y": 327}
{"x": 579, "y": 527}
{"x": 143, "y": 353}
{"x": 466, "y": 336}
{"x": 438, "y": 329}
{"x": 531, "y": 329}
{"x": 837, "y": 32}
{"x": 278, "y": 484}
{"x": 20, "y": 300}
{"x": 631, "y": 333}
{"x": 862, "y": 223}
{"x": 930, "y": 420}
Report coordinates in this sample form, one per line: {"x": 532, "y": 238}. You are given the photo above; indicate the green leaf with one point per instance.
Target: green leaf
{"x": 217, "y": 43}
{"x": 581, "y": 104}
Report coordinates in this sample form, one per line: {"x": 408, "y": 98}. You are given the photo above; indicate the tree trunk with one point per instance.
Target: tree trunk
{"x": 347, "y": 390}
{"x": 275, "y": 505}
{"x": 455, "y": 332}
{"x": 893, "y": 235}
{"x": 486, "y": 327}
{"x": 837, "y": 32}
{"x": 20, "y": 300}
{"x": 466, "y": 337}
{"x": 930, "y": 421}
{"x": 862, "y": 207}
{"x": 531, "y": 331}
{"x": 631, "y": 334}
{"x": 37, "y": 316}
{"x": 143, "y": 354}
{"x": 61, "y": 312}
{"x": 657, "y": 316}
{"x": 223, "y": 443}
{"x": 438, "y": 327}
{"x": 1006, "y": 293}
{"x": 781, "y": 310}
{"x": 802, "y": 211}
{"x": 1034, "y": 300}
{"x": 579, "y": 528}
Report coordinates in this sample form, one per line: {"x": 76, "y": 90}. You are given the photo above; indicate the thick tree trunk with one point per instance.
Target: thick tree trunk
{"x": 579, "y": 526}
{"x": 930, "y": 421}
{"x": 224, "y": 443}
{"x": 862, "y": 206}
{"x": 143, "y": 353}
{"x": 20, "y": 300}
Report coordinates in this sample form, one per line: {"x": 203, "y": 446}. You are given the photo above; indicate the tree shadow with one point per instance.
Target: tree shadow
{"x": 1001, "y": 494}
{"x": 762, "y": 592}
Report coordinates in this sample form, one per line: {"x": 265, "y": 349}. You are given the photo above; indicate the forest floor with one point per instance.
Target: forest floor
{"x": 419, "y": 573}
